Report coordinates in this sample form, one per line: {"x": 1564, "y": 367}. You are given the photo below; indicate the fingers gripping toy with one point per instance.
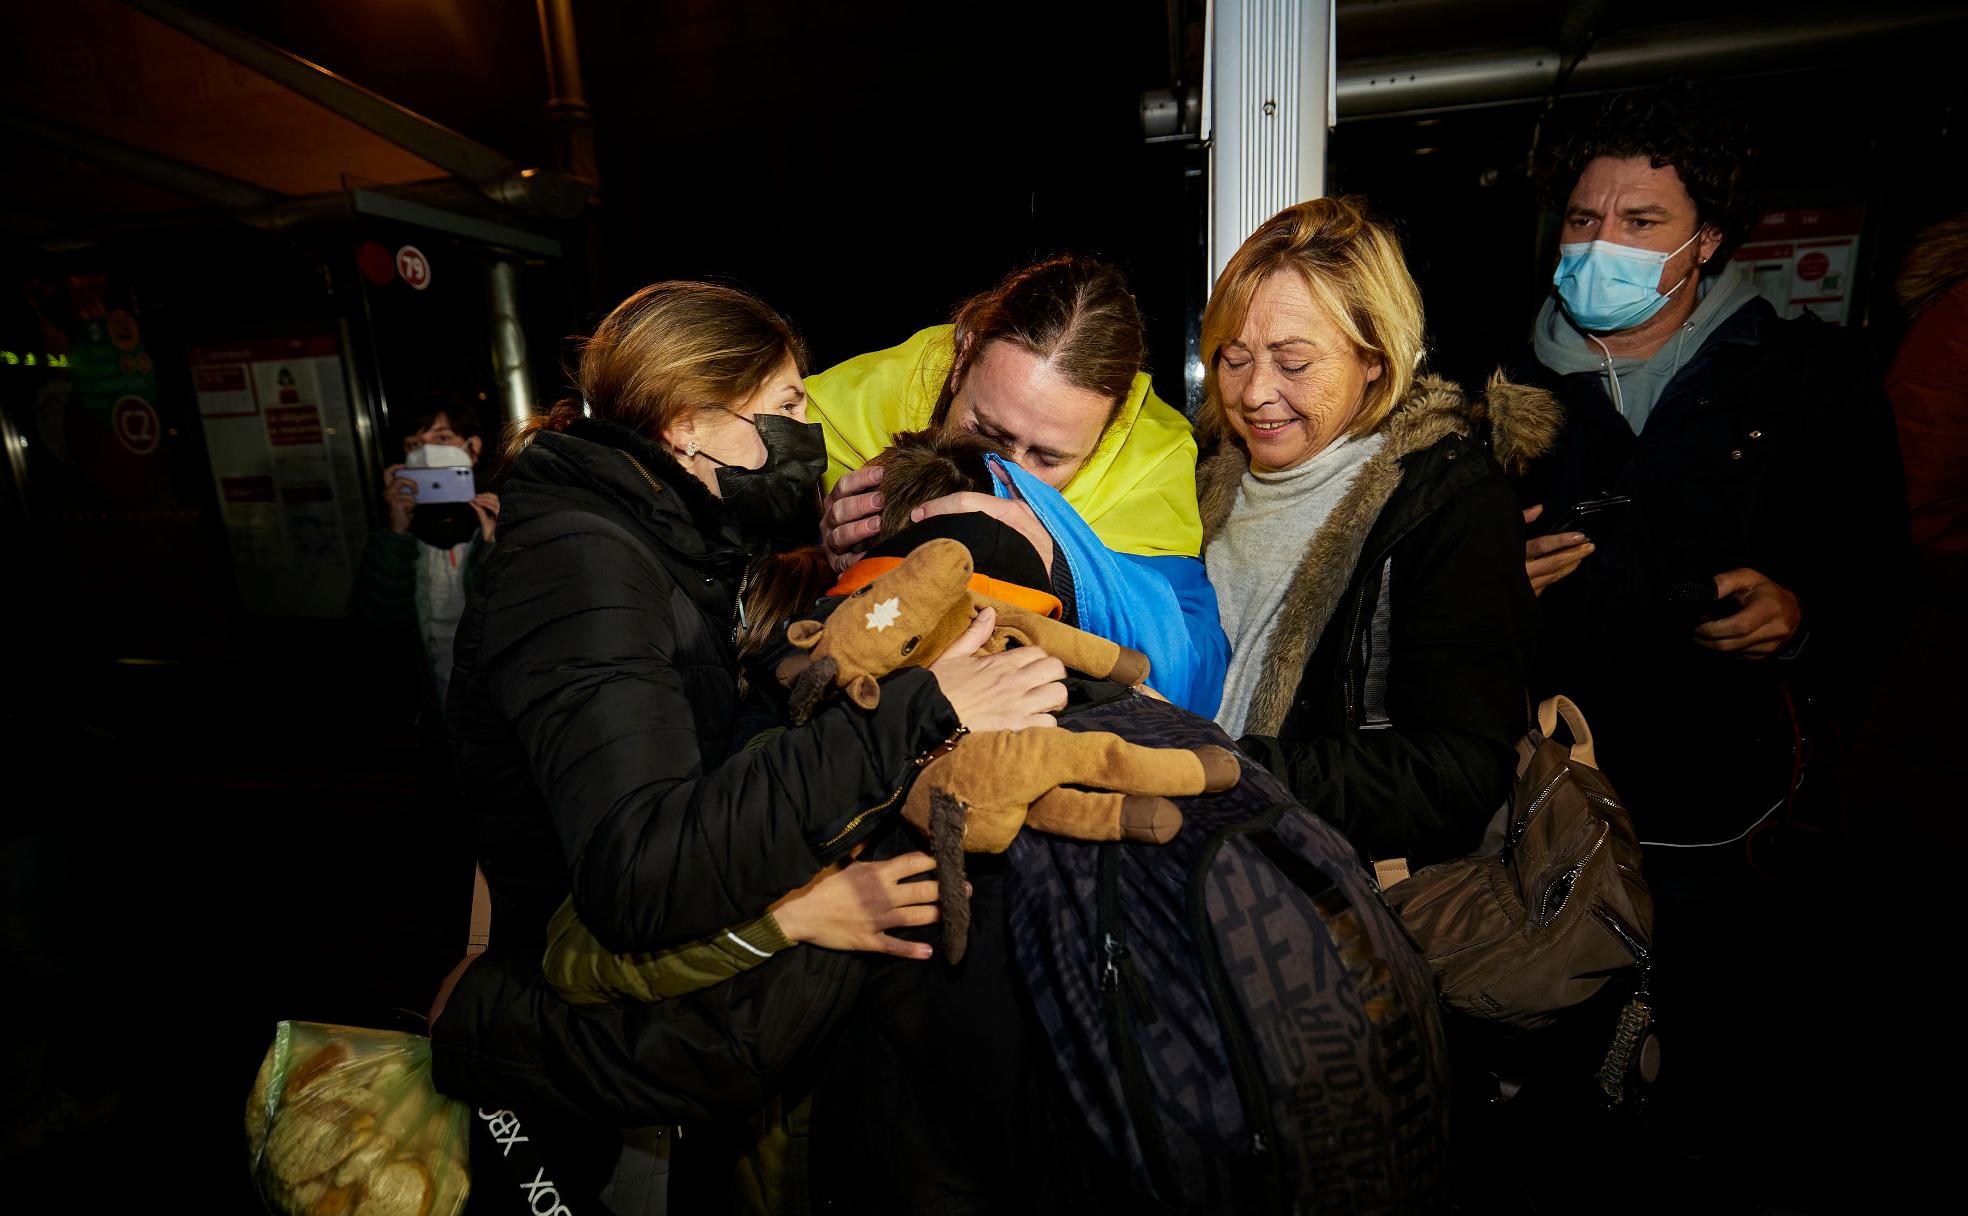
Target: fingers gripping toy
{"x": 979, "y": 794}
{"x": 910, "y": 615}
{"x": 1087, "y": 785}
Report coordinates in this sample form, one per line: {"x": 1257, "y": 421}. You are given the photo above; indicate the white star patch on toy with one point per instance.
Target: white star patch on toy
{"x": 885, "y": 613}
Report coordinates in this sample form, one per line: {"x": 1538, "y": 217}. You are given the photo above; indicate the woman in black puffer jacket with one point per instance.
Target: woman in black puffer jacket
{"x": 594, "y": 692}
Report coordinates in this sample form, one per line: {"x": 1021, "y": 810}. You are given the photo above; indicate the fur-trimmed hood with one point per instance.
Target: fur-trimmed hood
{"x": 1522, "y": 420}
{"x": 1522, "y": 423}
{"x": 1939, "y": 256}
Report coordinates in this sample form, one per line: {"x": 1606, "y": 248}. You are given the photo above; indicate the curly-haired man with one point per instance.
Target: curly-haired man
{"x": 1730, "y": 595}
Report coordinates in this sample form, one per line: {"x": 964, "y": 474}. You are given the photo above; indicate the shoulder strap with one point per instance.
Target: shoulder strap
{"x": 481, "y": 914}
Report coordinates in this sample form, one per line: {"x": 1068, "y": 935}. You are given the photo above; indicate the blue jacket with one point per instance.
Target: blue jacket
{"x": 1162, "y": 606}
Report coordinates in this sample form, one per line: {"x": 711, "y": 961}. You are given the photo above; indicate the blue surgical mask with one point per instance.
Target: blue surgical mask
{"x": 1607, "y": 287}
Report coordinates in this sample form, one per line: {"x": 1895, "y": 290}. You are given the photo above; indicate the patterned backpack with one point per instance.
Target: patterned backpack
{"x": 1244, "y": 1025}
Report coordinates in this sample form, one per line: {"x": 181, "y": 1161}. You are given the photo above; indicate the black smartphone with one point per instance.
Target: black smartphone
{"x": 1695, "y": 599}
{"x": 1602, "y": 514}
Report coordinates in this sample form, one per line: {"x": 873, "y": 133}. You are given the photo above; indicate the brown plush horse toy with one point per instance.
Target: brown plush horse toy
{"x": 910, "y": 615}
{"x": 1087, "y": 785}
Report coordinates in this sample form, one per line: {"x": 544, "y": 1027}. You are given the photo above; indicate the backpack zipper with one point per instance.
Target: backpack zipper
{"x": 1244, "y": 1068}
{"x": 1564, "y": 882}
{"x": 1643, "y": 958}
{"x": 1523, "y": 823}
{"x": 1127, "y": 1050}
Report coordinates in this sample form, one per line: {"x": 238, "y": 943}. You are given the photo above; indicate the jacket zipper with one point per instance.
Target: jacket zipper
{"x": 858, "y": 820}
{"x": 738, "y": 604}
{"x": 1352, "y": 644}
{"x": 889, "y": 801}
{"x": 1360, "y": 610}
{"x": 653, "y": 483}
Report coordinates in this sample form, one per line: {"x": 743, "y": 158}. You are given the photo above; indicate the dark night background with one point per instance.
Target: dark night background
{"x": 220, "y": 811}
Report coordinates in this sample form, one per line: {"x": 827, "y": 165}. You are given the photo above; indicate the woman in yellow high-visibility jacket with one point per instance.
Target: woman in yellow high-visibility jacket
{"x": 1048, "y": 364}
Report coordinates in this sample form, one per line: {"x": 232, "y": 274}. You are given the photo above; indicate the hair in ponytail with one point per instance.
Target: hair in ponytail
{"x": 1071, "y": 311}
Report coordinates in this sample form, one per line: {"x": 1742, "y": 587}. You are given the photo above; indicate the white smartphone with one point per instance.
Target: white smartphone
{"x": 450, "y": 484}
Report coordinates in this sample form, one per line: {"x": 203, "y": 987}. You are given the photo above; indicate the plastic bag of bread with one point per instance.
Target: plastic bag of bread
{"x": 344, "y": 1122}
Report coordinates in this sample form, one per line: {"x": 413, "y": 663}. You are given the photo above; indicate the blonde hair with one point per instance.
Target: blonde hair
{"x": 1352, "y": 265}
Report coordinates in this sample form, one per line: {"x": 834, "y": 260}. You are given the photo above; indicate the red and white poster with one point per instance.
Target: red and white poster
{"x": 279, "y": 431}
{"x": 1803, "y": 259}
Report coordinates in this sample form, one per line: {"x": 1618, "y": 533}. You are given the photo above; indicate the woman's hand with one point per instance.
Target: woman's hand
{"x": 487, "y": 507}
{"x": 1014, "y": 512}
{"x": 1021, "y": 687}
{"x": 850, "y": 516}
{"x": 400, "y": 496}
{"x": 1550, "y": 558}
{"x": 852, "y": 906}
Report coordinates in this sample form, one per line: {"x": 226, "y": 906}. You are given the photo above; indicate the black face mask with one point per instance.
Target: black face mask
{"x": 443, "y": 524}
{"x": 778, "y": 503}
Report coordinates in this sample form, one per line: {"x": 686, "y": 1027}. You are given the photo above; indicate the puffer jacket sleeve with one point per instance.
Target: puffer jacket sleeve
{"x": 1462, "y": 630}
{"x": 585, "y": 974}
{"x": 580, "y": 659}
{"x": 508, "y": 1039}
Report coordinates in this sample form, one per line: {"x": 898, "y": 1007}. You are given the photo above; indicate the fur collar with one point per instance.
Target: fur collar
{"x": 1939, "y": 256}
{"x": 1523, "y": 422}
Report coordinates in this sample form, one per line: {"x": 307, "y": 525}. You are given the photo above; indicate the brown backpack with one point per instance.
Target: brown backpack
{"x": 1552, "y": 905}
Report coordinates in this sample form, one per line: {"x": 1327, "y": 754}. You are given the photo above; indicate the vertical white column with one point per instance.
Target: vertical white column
{"x": 1268, "y": 105}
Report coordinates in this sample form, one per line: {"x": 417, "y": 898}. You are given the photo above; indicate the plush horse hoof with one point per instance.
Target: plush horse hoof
{"x": 1220, "y": 768}
{"x": 1130, "y": 668}
{"x": 1154, "y": 820}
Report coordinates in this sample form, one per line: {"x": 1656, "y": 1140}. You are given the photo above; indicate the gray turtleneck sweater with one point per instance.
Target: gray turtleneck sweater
{"x": 1252, "y": 561}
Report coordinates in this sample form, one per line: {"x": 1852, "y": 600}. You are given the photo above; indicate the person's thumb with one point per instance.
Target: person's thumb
{"x": 973, "y": 639}
{"x": 1735, "y": 582}
{"x": 1532, "y": 512}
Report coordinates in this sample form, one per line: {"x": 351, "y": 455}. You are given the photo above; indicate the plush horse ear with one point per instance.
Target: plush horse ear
{"x": 863, "y": 691}
{"x": 806, "y": 634}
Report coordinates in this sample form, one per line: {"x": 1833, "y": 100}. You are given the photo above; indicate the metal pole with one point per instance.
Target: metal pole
{"x": 568, "y": 115}
{"x": 1441, "y": 82}
{"x": 509, "y": 369}
{"x": 1270, "y": 84}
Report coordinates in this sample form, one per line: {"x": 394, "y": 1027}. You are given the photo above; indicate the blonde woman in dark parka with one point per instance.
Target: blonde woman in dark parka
{"x": 1366, "y": 550}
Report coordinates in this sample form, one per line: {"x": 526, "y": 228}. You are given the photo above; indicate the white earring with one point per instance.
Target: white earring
{"x": 690, "y": 449}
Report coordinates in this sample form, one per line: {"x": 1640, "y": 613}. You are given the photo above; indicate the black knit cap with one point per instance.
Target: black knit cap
{"x": 997, "y": 550}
